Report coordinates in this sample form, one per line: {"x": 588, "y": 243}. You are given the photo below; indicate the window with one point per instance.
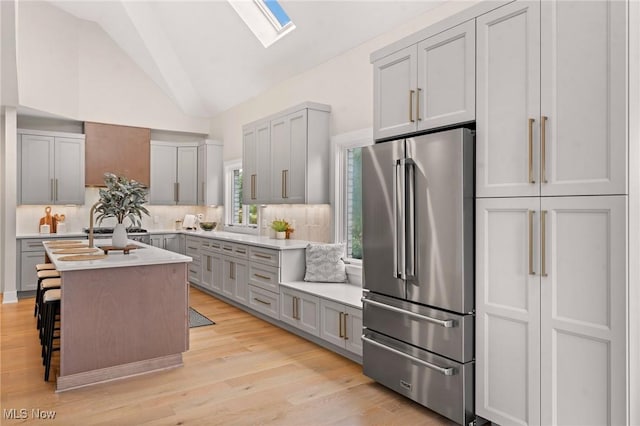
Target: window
{"x": 348, "y": 190}
{"x": 265, "y": 18}
{"x": 238, "y": 215}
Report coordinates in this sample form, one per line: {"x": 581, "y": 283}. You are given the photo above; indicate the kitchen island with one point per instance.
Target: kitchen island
{"x": 121, "y": 315}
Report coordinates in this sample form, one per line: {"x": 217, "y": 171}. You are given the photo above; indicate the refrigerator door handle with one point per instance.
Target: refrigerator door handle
{"x": 398, "y": 219}
{"x": 444, "y": 323}
{"x": 409, "y": 219}
{"x": 447, "y": 371}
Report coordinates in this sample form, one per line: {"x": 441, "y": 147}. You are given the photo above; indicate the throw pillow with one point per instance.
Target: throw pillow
{"x": 325, "y": 264}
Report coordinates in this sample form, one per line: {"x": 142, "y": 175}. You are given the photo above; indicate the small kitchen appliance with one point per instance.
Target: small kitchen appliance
{"x": 190, "y": 222}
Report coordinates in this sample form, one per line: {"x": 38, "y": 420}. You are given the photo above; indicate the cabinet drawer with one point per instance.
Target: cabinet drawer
{"x": 32, "y": 245}
{"x": 237, "y": 250}
{"x": 264, "y": 301}
{"x": 192, "y": 245}
{"x": 263, "y": 255}
{"x": 266, "y": 277}
{"x": 212, "y": 245}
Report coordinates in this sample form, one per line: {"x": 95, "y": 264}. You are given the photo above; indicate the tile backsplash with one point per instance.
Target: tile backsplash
{"x": 77, "y": 217}
{"x": 310, "y": 222}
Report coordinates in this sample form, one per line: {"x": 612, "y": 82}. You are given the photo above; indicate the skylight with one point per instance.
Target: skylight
{"x": 265, "y": 18}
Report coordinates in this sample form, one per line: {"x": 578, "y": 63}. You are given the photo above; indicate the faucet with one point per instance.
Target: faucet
{"x": 93, "y": 209}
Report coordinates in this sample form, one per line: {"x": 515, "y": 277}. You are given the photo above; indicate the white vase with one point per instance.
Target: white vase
{"x": 119, "y": 238}
{"x": 281, "y": 235}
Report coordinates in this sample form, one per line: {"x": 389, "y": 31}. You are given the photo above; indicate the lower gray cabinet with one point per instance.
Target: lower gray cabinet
{"x": 341, "y": 325}
{"x": 300, "y": 309}
{"x": 211, "y": 265}
{"x": 171, "y": 242}
{"x": 234, "y": 278}
{"x": 263, "y": 301}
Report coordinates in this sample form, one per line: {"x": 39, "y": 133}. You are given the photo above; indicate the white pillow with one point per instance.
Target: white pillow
{"x": 325, "y": 264}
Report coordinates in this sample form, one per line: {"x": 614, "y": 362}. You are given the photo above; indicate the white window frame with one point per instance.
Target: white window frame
{"x": 339, "y": 146}
{"x": 245, "y": 228}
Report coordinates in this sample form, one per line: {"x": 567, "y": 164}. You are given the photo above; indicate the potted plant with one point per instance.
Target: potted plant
{"x": 122, "y": 199}
{"x": 280, "y": 226}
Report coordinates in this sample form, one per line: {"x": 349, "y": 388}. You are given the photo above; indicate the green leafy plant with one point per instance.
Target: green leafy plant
{"x": 280, "y": 225}
{"x": 122, "y": 199}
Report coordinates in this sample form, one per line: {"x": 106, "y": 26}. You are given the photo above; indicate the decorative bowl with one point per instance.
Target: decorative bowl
{"x": 208, "y": 226}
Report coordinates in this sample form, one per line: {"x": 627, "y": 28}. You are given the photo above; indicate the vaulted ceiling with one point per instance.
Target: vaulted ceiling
{"x": 207, "y": 60}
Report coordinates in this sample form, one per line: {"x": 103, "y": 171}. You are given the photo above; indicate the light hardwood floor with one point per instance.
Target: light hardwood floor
{"x": 240, "y": 371}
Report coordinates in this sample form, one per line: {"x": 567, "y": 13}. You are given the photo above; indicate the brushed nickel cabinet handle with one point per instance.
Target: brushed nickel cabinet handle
{"x": 52, "y": 194}
{"x": 262, "y": 256}
{"x": 56, "y": 189}
{"x": 341, "y": 333}
{"x": 543, "y": 149}
{"x": 286, "y": 185}
{"x": 543, "y": 243}
{"x": 531, "y": 178}
{"x": 175, "y": 191}
{"x": 227, "y": 248}
{"x": 232, "y": 270}
{"x": 178, "y": 192}
{"x": 411, "y": 92}
{"x": 293, "y": 307}
{"x": 418, "y": 105}
{"x": 262, "y": 301}
{"x": 264, "y": 277}
{"x": 531, "y": 271}
{"x": 208, "y": 263}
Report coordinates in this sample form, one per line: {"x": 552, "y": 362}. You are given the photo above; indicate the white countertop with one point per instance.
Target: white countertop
{"x": 144, "y": 255}
{"x": 47, "y": 236}
{"x": 255, "y": 240}
{"x": 345, "y": 293}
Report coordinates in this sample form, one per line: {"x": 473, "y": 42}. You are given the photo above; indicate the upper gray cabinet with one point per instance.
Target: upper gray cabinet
{"x": 286, "y": 157}
{"x": 552, "y": 109}
{"x": 210, "y": 173}
{"x": 50, "y": 167}
{"x": 174, "y": 173}
{"x": 426, "y": 85}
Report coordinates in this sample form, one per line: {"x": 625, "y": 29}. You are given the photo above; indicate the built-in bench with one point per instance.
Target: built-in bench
{"x": 345, "y": 293}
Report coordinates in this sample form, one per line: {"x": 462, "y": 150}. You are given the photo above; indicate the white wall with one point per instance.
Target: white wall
{"x": 72, "y": 68}
{"x": 8, "y": 188}
{"x": 344, "y": 82}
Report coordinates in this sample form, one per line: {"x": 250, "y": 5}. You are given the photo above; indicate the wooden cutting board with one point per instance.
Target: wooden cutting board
{"x": 78, "y": 257}
{"x": 75, "y": 250}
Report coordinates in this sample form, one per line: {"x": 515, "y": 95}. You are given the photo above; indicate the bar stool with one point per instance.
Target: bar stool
{"x": 43, "y": 275}
{"x": 45, "y": 284}
{"x": 51, "y": 309}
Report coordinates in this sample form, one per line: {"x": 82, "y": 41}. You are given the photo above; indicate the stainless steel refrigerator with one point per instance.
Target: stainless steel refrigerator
{"x": 418, "y": 239}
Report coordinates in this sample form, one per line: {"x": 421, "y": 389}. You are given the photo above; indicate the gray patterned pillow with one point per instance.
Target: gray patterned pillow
{"x": 325, "y": 264}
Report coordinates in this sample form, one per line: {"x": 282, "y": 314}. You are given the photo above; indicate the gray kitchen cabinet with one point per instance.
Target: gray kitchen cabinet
{"x": 426, "y": 85}
{"x": 50, "y": 167}
{"x": 286, "y": 157}
{"x": 192, "y": 249}
{"x": 552, "y": 108}
{"x": 301, "y": 310}
{"x": 256, "y": 162}
{"x": 211, "y": 264}
{"x": 234, "y": 279}
{"x": 341, "y": 325}
{"x": 210, "y": 174}
{"x": 171, "y": 242}
{"x": 174, "y": 173}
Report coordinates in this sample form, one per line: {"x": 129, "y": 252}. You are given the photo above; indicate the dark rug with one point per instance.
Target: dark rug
{"x": 196, "y": 319}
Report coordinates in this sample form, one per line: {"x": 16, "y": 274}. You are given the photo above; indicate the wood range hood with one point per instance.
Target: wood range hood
{"x": 121, "y": 150}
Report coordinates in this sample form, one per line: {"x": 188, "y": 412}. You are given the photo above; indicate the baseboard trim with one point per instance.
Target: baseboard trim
{"x": 10, "y": 297}
{"x": 103, "y": 375}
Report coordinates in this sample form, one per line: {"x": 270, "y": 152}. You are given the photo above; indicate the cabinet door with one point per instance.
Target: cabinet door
{"x": 249, "y": 152}
{"x": 280, "y": 158}
{"x": 228, "y": 277}
{"x": 508, "y": 101}
{"x": 508, "y": 310}
{"x": 187, "y": 175}
{"x": 353, "y": 330}
{"x": 36, "y": 169}
{"x": 583, "y": 319}
{"x": 394, "y": 93}
{"x": 263, "y": 162}
{"x": 308, "y": 310}
{"x": 331, "y": 314}
{"x": 241, "y": 277}
{"x": 287, "y": 306}
{"x": 157, "y": 240}
{"x": 295, "y": 183}
{"x": 446, "y": 78}
{"x": 69, "y": 171}
{"x": 163, "y": 174}
{"x": 172, "y": 243}
{"x": 28, "y": 275}
{"x": 211, "y": 264}
{"x": 583, "y": 94}
{"x": 202, "y": 174}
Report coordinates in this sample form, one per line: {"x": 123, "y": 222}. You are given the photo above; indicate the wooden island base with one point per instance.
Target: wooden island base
{"x": 120, "y": 322}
